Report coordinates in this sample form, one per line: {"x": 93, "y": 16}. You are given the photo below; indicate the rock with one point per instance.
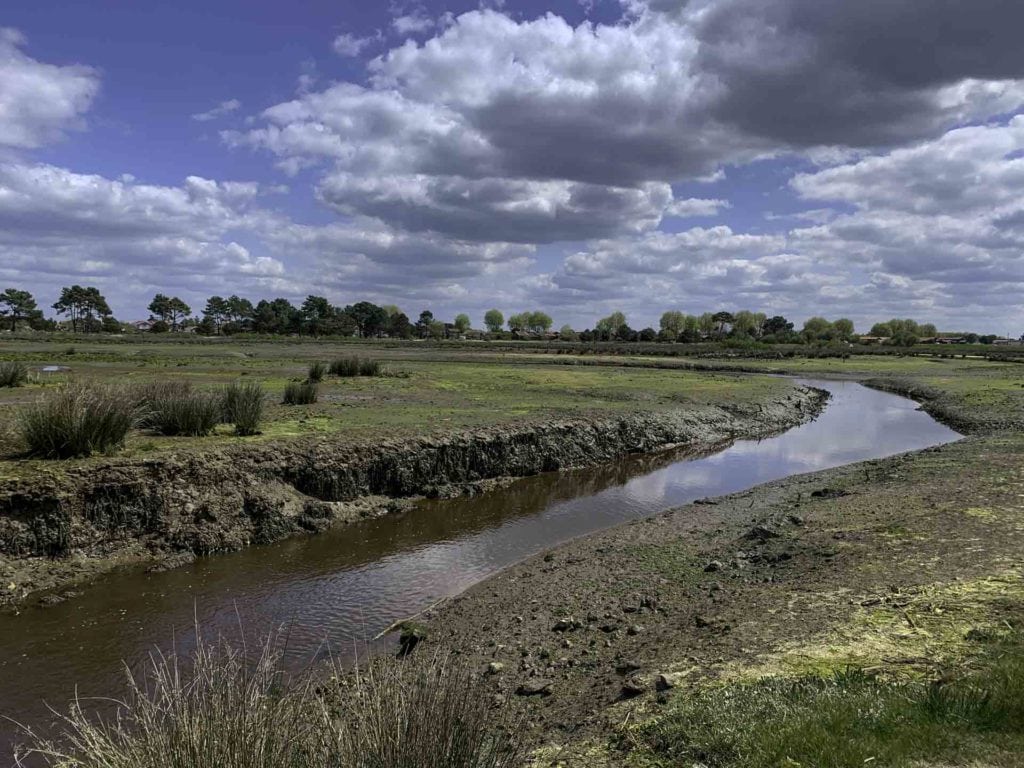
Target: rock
{"x": 626, "y": 666}
{"x": 795, "y": 519}
{"x": 495, "y": 667}
{"x": 664, "y": 682}
{"x": 828, "y": 493}
{"x": 535, "y": 687}
{"x": 760, "y": 533}
{"x": 635, "y": 629}
{"x": 713, "y": 567}
{"x": 635, "y": 685}
{"x": 567, "y": 624}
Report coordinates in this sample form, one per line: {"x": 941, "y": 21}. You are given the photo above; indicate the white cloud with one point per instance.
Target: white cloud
{"x": 38, "y": 101}
{"x": 221, "y": 110}
{"x": 695, "y": 206}
{"x": 350, "y": 45}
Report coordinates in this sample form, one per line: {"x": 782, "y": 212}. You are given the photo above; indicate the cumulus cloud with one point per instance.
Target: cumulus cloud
{"x": 38, "y": 101}
{"x": 350, "y": 45}
{"x": 221, "y": 110}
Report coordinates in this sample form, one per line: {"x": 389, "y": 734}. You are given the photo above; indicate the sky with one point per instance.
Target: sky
{"x": 797, "y": 157}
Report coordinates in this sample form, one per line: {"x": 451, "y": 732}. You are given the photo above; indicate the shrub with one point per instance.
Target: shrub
{"x": 299, "y": 393}
{"x": 316, "y": 373}
{"x": 345, "y": 366}
{"x": 243, "y": 407}
{"x": 173, "y": 408}
{"x": 13, "y": 374}
{"x": 77, "y": 420}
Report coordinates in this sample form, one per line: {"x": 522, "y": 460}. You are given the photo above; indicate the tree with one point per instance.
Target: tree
{"x": 240, "y": 313}
{"x": 566, "y": 333}
{"x": 538, "y": 322}
{"x": 370, "y": 318}
{"x": 777, "y": 326}
{"x": 17, "y": 305}
{"x": 518, "y": 322}
{"x": 82, "y": 305}
{"x": 423, "y": 324}
{"x": 882, "y": 330}
{"x": 277, "y": 316}
{"x": 437, "y": 330}
{"x": 493, "y": 319}
{"x": 843, "y": 328}
{"x": 648, "y": 334}
{"x": 746, "y": 324}
{"x": 399, "y": 326}
{"x": 216, "y": 312}
{"x": 706, "y": 324}
{"x": 722, "y": 321}
{"x": 171, "y": 310}
{"x": 672, "y": 323}
{"x": 817, "y": 328}
{"x": 461, "y": 322}
{"x": 928, "y": 331}
{"x": 611, "y": 326}
{"x": 317, "y": 315}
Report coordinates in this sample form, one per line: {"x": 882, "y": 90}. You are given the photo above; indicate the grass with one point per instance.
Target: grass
{"x": 174, "y": 408}
{"x": 847, "y": 720}
{"x": 13, "y": 374}
{"x": 222, "y": 708}
{"x": 316, "y": 372}
{"x": 243, "y": 406}
{"x": 300, "y": 393}
{"x": 77, "y": 421}
{"x": 345, "y": 367}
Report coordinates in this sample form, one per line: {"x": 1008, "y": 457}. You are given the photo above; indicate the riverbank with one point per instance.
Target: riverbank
{"x": 904, "y": 568}
{"x": 63, "y": 524}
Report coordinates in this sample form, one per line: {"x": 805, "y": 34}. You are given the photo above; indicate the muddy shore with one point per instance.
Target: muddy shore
{"x": 888, "y": 565}
{"x": 66, "y": 525}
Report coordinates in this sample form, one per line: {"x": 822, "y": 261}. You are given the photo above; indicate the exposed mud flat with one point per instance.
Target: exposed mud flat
{"x": 67, "y": 524}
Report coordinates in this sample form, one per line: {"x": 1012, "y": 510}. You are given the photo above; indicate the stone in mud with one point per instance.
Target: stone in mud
{"x": 760, "y": 533}
{"x": 567, "y": 624}
{"x": 495, "y": 667}
{"x": 535, "y": 687}
{"x": 713, "y": 566}
{"x": 635, "y": 685}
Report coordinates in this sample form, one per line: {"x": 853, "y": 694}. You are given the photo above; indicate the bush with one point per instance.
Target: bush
{"x": 316, "y": 373}
{"x": 77, "y": 420}
{"x": 345, "y": 366}
{"x": 243, "y": 407}
{"x": 222, "y": 709}
{"x": 173, "y": 408}
{"x": 299, "y": 393}
{"x": 13, "y": 374}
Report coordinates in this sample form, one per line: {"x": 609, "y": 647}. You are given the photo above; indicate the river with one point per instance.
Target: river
{"x": 344, "y": 586}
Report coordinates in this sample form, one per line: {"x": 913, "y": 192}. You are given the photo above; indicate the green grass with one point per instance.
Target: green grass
{"x": 847, "y": 721}
{"x": 13, "y": 374}
{"x": 300, "y": 393}
{"x": 242, "y": 406}
{"x": 77, "y": 421}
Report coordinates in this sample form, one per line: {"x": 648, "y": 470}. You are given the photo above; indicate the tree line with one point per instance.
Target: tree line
{"x": 85, "y": 310}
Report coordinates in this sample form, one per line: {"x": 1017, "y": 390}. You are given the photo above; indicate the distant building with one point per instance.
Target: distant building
{"x": 873, "y": 339}
{"x": 143, "y": 326}
{"x": 951, "y": 340}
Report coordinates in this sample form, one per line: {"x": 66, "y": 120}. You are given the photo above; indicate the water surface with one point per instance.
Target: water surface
{"x": 346, "y": 585}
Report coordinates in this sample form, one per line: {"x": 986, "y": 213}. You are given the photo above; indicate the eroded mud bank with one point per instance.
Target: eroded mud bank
{"x": 66, "y": 523}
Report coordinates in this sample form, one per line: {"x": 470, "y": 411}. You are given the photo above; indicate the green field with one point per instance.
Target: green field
{"x": 424, "y": 390}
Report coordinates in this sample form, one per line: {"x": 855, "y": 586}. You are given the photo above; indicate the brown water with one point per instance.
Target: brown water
{"x": 348, "y": 584}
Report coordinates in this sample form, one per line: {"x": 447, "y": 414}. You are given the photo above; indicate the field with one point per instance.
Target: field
{"x": 422, "y": 390}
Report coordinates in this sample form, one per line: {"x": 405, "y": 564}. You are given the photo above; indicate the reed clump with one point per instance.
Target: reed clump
{"x": 77, "y": 420}
{"x": 243, "y": 406}
{"x": 13, "y": 374}
{"x": 300, "y": 393}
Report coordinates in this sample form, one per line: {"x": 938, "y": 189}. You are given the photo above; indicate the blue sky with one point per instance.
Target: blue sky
{"x": 790, "y": 156}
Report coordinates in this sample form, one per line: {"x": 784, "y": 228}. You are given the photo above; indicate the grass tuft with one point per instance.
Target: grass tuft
{"x": 220, "y": 708}
{"x": 174, "y": 408}
{"x": 299, "y": 393}
{"x": 316, "y": 372}
{"x": 13, "y": 374}
{"x": 77, "y": 421}
{"x": 243, "y": 407}
{"x": 355, "y": 366}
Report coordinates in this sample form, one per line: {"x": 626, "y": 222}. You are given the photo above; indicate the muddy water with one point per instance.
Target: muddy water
{"x": 346, "y": 585}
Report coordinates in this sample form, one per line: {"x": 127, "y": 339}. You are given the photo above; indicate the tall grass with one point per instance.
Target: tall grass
{"x": 220, "y": 709}
{"x": 345, "y": 367}
{"x": 299, "y": 393}
{"x": 242, "y": 406}
{"x": 316, "y": 372}
{"x": 174, "y": 408}
{"x": 356, "y": 366}
{"x": 76, "y": 421}
{"x": 13, "y": 374}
